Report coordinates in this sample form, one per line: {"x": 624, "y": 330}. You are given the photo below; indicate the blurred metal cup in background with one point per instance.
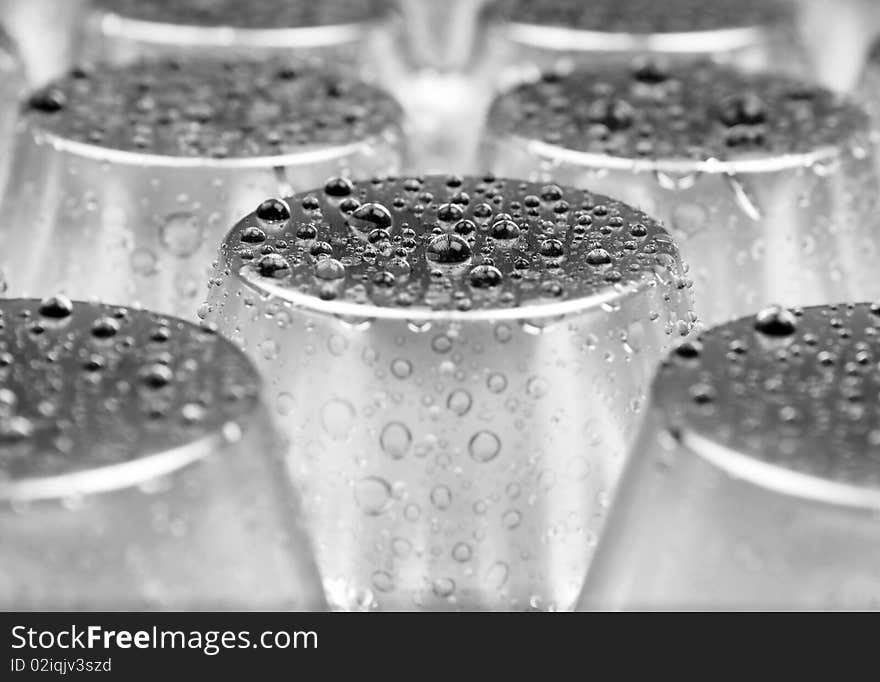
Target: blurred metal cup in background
{"x": 127, "y": 177}
{"x": 139, "y": 468}
{"x": 336, "y": 32}
{"x": 755, "y": 483}
{"x": 458, "y": 362}
{"x": 767, "y": 183}
{"x": 756, "y": 34}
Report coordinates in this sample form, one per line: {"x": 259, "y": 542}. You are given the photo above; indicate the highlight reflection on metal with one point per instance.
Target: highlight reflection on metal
{"x": 335, "y": 31}
{"x": 868, "y": 90}
{"x": 127, "y": 177}
{"x": 767, "y": 183}
{"x": 13, "y": 86}
{"x": 435, "y": 70}
{"x": 755, "y": 482}
{"x": 428, "y": 342}
{"x": 138, "y": 468}
{"x": 45, "y": 32}
{"x": 443, "y": 36}
{"x": 838, "y": 35}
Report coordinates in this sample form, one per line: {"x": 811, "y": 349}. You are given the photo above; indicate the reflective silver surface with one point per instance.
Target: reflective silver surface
{"x": 755, "y": 482}
{"x": 766, "y": 182}
{"x": 428, "y": 344}
{"x": 126, "y": 177}
{"x": 138, "y": 468}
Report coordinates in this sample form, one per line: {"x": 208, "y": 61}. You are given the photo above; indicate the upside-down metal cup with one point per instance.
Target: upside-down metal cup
{"x": 753, "y": 34}
{"x": 755, "y": 483}
{"x": 333, "y": 31}
{"x": 139, "y": 468}
{"x": 767, "y": 183}
{"x": 458, "y": 362}
{"x": 127, "y": 177}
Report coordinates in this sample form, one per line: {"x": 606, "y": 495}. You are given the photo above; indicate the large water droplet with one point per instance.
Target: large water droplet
{"x": 484, "y": 446}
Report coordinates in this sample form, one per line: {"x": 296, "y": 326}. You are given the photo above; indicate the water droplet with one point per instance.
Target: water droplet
{"x": 537, "y": 387}
{"x": 329, "y": 269}
{"x": 441, "y": 497}
{"x": 56, "y": 307}
{"x": 373, "y": 495}
{"x": 337, "y": 418}
{"x": 462, "y": 552}
{"x": 484, "y": 446}
{"x": 511, "y": 519}
{"x": 775, "y": 321}
{"x": 485, "y": 277}
{"x": 273, "y": 265}
{"x": 444, "y": 587}
{"x": 383, "y": 581}
{"x": 448, "y": 249}
{"x": 598, "y": 257}
{"x": 459, "y": 402}
{"x": 370, "y": 216}
{"x": 395, "y": 439}
{"x": 401, "y": 368}
{"x": 273, "y": 211}
{"x": 496, "y": 575}
{"x": 181, "y": 234}
{"x": 338, "y": 187}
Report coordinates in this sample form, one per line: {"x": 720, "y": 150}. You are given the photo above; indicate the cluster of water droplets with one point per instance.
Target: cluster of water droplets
{"x": 210, "y": 107}
{"x": 675, "y": 109}
{"x": 797, "y": 387}
{"x": 87, "y": 385}
{"x": 439, "y": 242}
